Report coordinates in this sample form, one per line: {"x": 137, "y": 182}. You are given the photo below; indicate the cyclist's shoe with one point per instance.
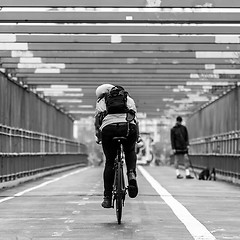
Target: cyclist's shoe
{"x": 132, "y": 185}
{"x": 179, "y": 176}
{"x": 107, "y": 202}
{"x": 189, "y": 177}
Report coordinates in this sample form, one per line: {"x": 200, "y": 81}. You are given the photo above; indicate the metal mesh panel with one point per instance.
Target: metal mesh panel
{"x": 23, "y": 109}
{"x": 221, "y": 116}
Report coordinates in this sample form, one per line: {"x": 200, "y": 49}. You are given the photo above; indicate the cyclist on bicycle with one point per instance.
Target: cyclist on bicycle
{"x": 111, "y": 121}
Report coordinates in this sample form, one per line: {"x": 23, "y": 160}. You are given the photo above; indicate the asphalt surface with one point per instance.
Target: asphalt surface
{"x": 67, "y": 205}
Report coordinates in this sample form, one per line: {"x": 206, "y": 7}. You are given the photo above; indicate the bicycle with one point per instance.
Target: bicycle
{"x": 119, "y": 189}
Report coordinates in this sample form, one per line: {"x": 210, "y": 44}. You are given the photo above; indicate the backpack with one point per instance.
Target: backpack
{"x": 116, "y": 100}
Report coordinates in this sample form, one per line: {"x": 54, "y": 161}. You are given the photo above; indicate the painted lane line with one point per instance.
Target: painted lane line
{"x": 43, "y": 184}
{"x": 50, "y": 181}
{"x": 6, "y": 199}
{"x": 196, "y": 229}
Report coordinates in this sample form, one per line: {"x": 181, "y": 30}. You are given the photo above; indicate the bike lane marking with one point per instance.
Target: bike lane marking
{"x": 43, "y": 184}
{"x": 195, "y": 228}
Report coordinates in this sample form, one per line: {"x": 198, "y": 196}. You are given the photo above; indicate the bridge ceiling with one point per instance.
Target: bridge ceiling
{"x": 172, "y": 56}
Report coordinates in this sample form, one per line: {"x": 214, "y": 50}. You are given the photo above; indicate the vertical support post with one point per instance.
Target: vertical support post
{"x": 236, "y": 107}
{"x": 10, "y": 140}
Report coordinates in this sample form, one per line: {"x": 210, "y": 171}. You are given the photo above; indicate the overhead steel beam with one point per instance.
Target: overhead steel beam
{"x": 167, "y": 82}
{"x": 95, "y": 38}
{"x": 121, "y": 72}
{"x": 166, "y": 16}
{"x": 120, "y": 29}
{"x": 122, "y": 3}
{"x": 104, "y": 76}
{"x": 128, "y": 81}
{"x": 137, "y": 77}
{"x": 130, "y": 61}
{"x": 110, "y": 66}
{"x": 164, "y": 47}
{"x": 100, "y": 54}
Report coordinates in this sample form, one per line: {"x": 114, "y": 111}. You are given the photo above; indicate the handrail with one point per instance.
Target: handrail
{"x": 19, "y": 140}
{"x": 224, "y": 144}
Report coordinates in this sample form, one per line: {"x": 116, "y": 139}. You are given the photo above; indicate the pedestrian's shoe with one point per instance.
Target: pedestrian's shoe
{"x": 107, "y": 202}
{"x": 132, "y": 185}
{"x": 179, "y": 176}
{"x": 189, "y": 177}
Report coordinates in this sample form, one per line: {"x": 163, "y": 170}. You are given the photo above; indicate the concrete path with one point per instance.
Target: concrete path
{"x": 67, "y": 206}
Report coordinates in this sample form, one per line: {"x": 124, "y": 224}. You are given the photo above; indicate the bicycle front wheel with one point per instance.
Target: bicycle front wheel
{"x": 119, "y": 192}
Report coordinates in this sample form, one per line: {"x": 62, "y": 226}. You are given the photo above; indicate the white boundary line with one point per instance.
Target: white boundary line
{"x": 196, "y": 229}
{"x": 43, "y": 184}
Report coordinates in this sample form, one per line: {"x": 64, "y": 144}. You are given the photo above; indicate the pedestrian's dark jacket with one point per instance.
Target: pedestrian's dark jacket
{"x": 179, "y": 138}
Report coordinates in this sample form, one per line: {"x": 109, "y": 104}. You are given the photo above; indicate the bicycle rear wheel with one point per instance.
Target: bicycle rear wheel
{"x": 119, "y": 193}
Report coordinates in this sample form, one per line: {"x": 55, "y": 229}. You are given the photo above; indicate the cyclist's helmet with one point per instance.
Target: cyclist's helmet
{"x": 118, "y": 87}
{"x": 104, "y": 88}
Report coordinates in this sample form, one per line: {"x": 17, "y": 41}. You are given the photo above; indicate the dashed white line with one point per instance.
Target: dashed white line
{"x": 195, "y": 228}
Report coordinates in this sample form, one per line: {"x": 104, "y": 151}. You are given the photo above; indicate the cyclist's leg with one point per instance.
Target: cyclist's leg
{"x": 129, "y": 149}
{"x": 110, "y": 151}
{"x": 131, "y": 158}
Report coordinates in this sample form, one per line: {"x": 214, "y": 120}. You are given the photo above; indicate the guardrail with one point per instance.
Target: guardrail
{"x": 13, "y": 166}
{"x": 225, "y": 165}
{"x": 16, "y": 140}
{"x": 24, "y": 153}
{"x": 224, "y": 143}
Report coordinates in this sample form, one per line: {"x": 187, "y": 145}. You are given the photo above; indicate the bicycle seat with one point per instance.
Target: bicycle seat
{"x": 119, "y": 138}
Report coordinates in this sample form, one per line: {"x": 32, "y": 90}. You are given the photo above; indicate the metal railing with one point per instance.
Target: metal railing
{"x": 221, "y": 151}
{"x": 16, "y": 140}
{"x": 24, "y": 153}
{"x": 223, "y": 144}
{"x": 14, "y": 166}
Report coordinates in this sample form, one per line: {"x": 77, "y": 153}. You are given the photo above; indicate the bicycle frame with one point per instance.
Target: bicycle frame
{"x": 119, "y": 189}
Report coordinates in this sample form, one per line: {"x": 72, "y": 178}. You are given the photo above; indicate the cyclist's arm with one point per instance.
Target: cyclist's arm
{"x": 132, "y": 107}
{"x": 99, "y": 115}
{"x": 131, "y": 104}
{"x": 97, "y": 124}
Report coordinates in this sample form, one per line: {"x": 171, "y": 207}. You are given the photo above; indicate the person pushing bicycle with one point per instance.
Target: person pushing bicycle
{"x": 113, "y": 108}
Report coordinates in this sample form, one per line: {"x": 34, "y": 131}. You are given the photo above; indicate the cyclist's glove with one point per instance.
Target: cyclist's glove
{"x": 139, "y": 139}
{"x": 98, "y": 140}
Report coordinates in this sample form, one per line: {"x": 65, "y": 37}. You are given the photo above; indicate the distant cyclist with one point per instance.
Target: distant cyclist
{"x": 113, "y": 106}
